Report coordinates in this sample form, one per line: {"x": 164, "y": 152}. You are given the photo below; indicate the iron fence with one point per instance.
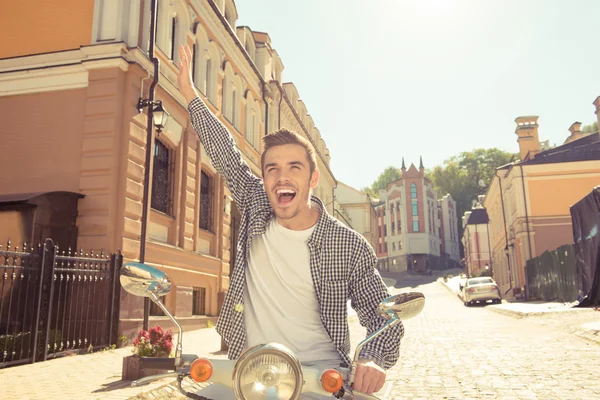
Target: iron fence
{"x": 56, "y": 302}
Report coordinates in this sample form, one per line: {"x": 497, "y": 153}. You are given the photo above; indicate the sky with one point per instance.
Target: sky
{"x": 386, "y": 79}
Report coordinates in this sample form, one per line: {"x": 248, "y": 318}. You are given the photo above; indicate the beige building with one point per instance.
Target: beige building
{"x": 528, "y": 201}
{"x": 357, "y": 211}
{"x": 71, "y": 76}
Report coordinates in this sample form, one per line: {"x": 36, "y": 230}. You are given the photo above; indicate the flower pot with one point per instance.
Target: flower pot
{"x": 132, "y": 371}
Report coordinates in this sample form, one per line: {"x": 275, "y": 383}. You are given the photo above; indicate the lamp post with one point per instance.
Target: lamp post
{"x": 157, "y": 116}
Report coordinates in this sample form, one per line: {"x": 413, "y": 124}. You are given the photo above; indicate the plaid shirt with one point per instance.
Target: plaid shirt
{"x": 342, "y": 263}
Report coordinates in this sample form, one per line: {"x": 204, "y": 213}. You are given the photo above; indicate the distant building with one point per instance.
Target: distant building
{"x": 415, "y": 230}
{"x": 476, "y": 240}
{"x": 356, "y": 210}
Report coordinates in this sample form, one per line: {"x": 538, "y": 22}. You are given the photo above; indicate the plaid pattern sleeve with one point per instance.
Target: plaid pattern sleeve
{"x": 224, "y": 155}
{"x": 367, "y": 290}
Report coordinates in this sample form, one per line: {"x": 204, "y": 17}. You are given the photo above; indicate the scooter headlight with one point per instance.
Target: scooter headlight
{"x": 268, "y": 371}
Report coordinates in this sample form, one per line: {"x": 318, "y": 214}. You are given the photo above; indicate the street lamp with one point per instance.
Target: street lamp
{"x": 159, "y": 115}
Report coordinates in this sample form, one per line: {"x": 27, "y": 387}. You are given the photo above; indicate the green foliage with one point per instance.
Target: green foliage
{"x": 593, "y": 128}
{"x": 467, "y": 175}
{"x": 389, "y": 175}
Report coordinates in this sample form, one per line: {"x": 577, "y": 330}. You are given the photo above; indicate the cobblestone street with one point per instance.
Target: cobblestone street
{"x": 455, "y": 352}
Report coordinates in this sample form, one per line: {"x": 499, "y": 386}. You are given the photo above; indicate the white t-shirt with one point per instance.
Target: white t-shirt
{"x": 280, "y": 301}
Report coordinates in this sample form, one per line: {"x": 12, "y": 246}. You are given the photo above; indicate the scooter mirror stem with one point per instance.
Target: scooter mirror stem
{"x": 393, "y": 321}
{"x": 179, "y": 347}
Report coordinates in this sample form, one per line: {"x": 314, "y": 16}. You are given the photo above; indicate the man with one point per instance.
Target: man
{"x": 296, "y": 266}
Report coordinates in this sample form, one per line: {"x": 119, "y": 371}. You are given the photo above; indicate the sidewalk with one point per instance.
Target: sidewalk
{"x": 590, "y": 330}
{"x": 92, "y": 376}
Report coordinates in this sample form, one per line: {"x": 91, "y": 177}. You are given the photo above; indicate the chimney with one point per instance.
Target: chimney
{"x": 527, "y": 132}
{"x": 576, "y": 133}
{"x": 481, "y": 199}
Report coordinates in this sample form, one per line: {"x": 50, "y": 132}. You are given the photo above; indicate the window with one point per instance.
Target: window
{"x": 415, "y": 226}
{"x": 224, "y": 99}
{"x": 162, "y": 178}
{"x": 393, "y": 227}
{"x": 400, "y": 245}
{"x": 413, "y": 191}
{"x": 208, "y": 88}
{"x": 173, "y": 37}
{"x": 194, "y": 57}
{"x": 199, "y": 301}
{"x": 415, "y": 208}
{"x": 233, "y": 106}
{"x": 399, "y": 226}
{"x": 384, "y": 229}
{"x": 393, "y": 245}
{"x": 155, "y": 310}
{"x": 250, "y": 124}
{"x": 205, "y": 201}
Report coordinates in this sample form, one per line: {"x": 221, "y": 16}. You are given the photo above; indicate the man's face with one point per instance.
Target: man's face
{"x": 288, "y": 181}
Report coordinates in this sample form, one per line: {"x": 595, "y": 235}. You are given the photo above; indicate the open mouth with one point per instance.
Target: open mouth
{"x": 285, "y": 196}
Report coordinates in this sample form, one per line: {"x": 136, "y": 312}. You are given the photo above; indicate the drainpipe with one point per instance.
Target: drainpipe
{"x": 478, "y": 248}
{"x": 489, "y": 246}
{"x": 505, "y": 234}
{"x": 266, "y": 109}
{"x": 280, "y": 100}
{"x": 149, "y": 150}
{"x": 526, "y": 226}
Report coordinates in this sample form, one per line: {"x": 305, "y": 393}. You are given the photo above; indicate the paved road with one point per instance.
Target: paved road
{"x": 455, "y": 352}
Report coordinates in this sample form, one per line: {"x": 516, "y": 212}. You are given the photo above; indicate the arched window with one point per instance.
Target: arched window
{"x": 234, "y": 105}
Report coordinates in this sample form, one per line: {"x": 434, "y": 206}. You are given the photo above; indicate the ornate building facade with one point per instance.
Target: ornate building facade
{"x": 70, "y": 106}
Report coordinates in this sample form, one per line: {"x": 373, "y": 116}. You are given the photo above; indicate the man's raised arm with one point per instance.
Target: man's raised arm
{"x": 216, "y": 139}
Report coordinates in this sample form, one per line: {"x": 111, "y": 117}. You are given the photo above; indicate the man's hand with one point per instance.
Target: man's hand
{"x": 369, "y": 377}
{"x": 184, "y": 77}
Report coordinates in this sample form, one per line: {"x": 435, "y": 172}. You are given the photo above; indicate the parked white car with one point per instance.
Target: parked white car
{"x": 481, "y": 289}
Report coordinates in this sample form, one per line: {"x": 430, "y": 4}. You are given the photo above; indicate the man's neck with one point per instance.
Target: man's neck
{"x": 307, "y": 218}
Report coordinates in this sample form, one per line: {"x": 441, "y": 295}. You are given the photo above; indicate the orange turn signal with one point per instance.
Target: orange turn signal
{"x": 201, "y": 370}
{"x": 331, "y": 381}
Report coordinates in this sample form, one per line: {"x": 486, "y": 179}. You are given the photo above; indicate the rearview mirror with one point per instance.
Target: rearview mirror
{"x": 403, "y": 305}
{"x": 142, "y": 279}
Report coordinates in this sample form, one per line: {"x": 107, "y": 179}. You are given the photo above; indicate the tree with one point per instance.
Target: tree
{"x": 369, "y": 190}
{"x": 466, "y": 176}
{"x": 593, "y": 128}
{"x": 385, "y": 178}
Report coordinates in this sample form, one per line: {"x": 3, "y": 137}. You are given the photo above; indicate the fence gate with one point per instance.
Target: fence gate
{"x": 56, "y": 302}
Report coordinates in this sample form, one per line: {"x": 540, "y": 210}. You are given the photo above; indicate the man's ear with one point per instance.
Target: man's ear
{"x": 314, "y": 179}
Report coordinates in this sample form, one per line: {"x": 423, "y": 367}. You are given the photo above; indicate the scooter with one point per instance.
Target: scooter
{"x": 268, "y": 371}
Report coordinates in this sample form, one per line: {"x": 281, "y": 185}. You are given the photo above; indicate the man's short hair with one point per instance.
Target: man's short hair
{"x": 284, "y": 136}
